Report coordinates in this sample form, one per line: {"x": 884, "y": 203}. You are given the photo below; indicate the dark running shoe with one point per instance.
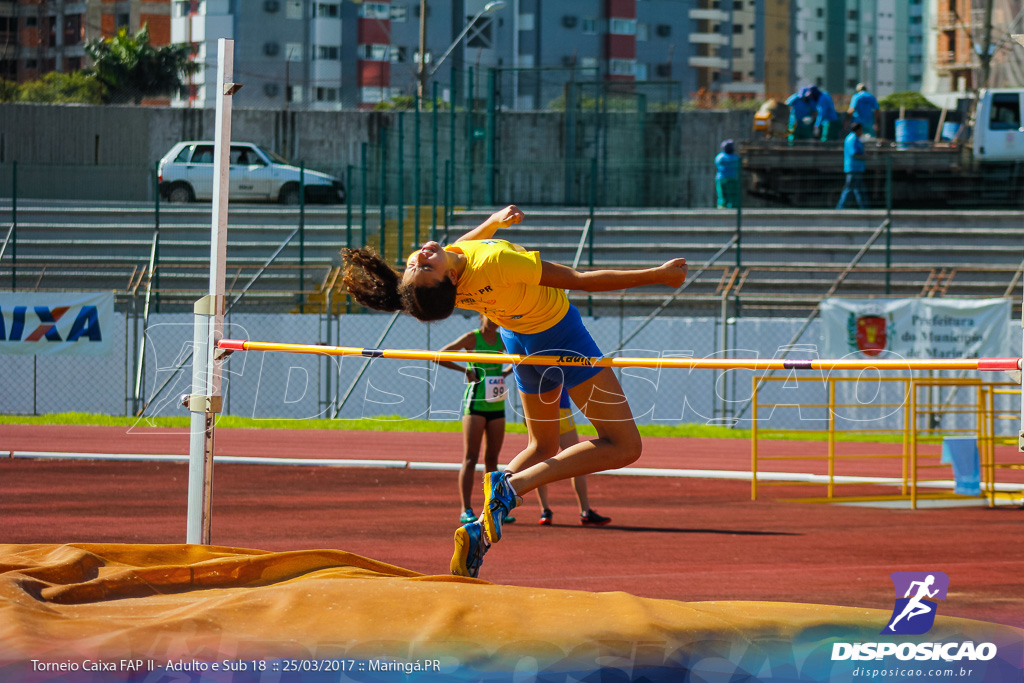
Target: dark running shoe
{"x": 546, "y": 517}
{"x": 591, "y": 518}
{"x": 470, "y": 548}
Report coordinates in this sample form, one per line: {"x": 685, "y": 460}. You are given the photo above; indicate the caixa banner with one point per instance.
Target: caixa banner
{"x": 45, "y": 324}
{"x": 916, "y": 328}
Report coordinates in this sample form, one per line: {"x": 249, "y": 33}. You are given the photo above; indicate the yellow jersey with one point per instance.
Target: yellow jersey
{"x": 501, "y": 280}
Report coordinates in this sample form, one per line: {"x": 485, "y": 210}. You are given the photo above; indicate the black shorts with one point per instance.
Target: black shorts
{"x": 488, "y": 415}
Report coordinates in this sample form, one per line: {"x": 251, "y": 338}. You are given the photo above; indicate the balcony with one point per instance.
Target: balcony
{"x": 709, "y": 38}
{"x": 709, "y": 62}
{"x": 709, "y": 15}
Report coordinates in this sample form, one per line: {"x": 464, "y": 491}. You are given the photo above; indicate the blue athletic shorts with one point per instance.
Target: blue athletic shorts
{"x": 567, "y": 337}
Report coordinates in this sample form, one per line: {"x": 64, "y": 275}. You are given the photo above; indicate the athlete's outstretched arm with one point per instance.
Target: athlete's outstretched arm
{"x": 671, "y": 273}
{"x": 510, "y": 215}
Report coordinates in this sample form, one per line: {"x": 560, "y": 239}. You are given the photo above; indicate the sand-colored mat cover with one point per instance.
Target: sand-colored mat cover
{"x": 108, "y": 612}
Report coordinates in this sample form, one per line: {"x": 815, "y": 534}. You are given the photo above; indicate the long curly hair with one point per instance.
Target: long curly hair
{"x": 375, "y": 284}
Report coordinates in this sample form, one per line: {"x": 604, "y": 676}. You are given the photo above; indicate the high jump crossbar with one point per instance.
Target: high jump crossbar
{"x": 686, "y": 363}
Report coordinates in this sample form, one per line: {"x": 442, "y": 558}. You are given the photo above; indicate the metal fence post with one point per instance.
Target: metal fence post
{"x": 14, "y": 226}
{"x": 383, "y": 188}
{"x": 570, "y": 141}
{"x": 888, "y": 227}
{"x": 400, "y": 200}
{"x": 447, "y": 194}
{"x": 492, "y": 120}
{"x": 154, "y": 274}
{"x": 469, "y": 139}
{"x": 302, "y": 237}
{"x": 362, "y": 195}
{"x": 451, "y": 146}
{"x": 739, "y": 217}
{"x": 433, "y": 164}
{"x": 348, "y": 206}
{"x": 416, "y": 175}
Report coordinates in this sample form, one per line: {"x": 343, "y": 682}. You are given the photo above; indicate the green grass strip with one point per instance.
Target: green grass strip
{"x": 391, "y": 423}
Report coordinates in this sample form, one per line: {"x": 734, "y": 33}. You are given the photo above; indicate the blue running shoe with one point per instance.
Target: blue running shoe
{"x": 499, "y": 499}
{"x": 467, "y": 516}
{"x": 470, "y": 547}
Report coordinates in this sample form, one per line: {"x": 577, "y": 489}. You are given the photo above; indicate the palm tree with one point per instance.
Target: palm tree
{"x": 131, "y": 68}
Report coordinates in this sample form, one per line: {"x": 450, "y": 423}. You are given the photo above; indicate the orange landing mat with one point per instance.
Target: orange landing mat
{"x": 178, "y": 604}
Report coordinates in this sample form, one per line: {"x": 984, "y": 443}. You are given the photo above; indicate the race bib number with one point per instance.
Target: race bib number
{"x": 494, "y": 389}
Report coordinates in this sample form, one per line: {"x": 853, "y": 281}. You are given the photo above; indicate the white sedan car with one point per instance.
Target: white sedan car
{"x": 186, "y": 175}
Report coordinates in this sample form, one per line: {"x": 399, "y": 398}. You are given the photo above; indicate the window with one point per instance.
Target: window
{"x": 203, "y": 154}
{"x": 329, "y": 52}
{"x": 375, "y": 10}
{"x": 73, "y": 33}
{"x": 851, "y": 61}
{"x": 294, "y": 93}
{"x": 621, "y": 67}
{"x": 820, "y": 59}
{"x": 293, "y": 9}
{"x": 526, "y": 22}
{"x": 123, "y": 20}
{"x": 737, "y": 53}
{"x": 589, "y": 26}
{"x": 326, "y": 94}
{"x": 399, "y": 13}
{"x": 851, "y": 37}
{"x": 852, "y": 16}
{"x": 641, "y": 31}
{"x": 622, "y": 27}
{"x": 588, "y": 63}
{"x": 819, "y": 35}
{"x": 820, "y": 12}
{"x": 737, "y": 28}
{"x": 73, "y": 64}
{"x": 181, "y": 8}
{"x": 641, "y": 72}
{"x": 327, "y": 10}
{"x": 30, "y": 21}
{"x": 293, "y": 52}
{"x": 399, "y": 54}
{"x": 377, "y": 53}
{"x": 1006, "y": 114}
{"x": 737, "y": 5}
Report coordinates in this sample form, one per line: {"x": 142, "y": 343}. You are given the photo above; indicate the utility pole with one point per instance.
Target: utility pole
{"x": 985, "y": 56}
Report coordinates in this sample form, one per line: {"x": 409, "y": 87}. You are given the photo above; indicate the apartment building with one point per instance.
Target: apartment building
{"x": 331, "y": 54}
{"x": 40, "y": 36}
{"x": 881, "y": 43}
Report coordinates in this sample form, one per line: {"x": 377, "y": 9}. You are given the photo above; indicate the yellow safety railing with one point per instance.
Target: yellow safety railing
{"x": 919, "y": 408}
{"x": 990, "y": 465}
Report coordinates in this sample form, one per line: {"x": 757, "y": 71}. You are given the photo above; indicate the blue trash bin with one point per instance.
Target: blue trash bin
{"x": 962, "y": 453}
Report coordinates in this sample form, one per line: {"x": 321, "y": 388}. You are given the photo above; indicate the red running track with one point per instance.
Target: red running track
{"x": 683, "y": 539}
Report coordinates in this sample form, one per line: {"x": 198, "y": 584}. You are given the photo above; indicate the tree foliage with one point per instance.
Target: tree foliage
{"x": 907, "y": 100}
{"x": 131, "y": 69}
{"x": 78, "y": 87}
{"x": 9, "y": 91}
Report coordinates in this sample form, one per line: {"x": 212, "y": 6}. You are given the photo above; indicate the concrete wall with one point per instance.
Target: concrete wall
{"x": 109, "y": 152}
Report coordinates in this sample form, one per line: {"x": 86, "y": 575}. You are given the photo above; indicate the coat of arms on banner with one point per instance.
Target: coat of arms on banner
{"x": 868, "y": 334}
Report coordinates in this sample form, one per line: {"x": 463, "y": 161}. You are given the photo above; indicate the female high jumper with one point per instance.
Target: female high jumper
{"x": 526, "y": 297}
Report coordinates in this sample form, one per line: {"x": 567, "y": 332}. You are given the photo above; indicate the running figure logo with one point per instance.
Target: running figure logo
{"x": 914, "y": 613}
